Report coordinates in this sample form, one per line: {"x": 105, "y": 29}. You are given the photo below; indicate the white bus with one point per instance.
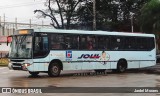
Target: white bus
{"x": 53, "y": 50}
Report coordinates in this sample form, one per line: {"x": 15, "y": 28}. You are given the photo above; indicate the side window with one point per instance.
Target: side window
{"x": 130, "y": 43}
{"x": 87, "y": 42}
{"x": 41, "y": 43}
{"x": 117, "y": 43}
{"x": 145, "y": 43}
{"x": 91, "y": 42}
{"x": 75, "y": 42}
{"x": 151, "y": 44}
{"x": 45, "y": 43}
{"x": 37, "y": 41}
{"x": 71, "y": 41}
{"x": 68, "y": 42}
{"x": 141, "y": 43}
{"x": 103, "y": 42}
{"x": 83, "y": 42}
{"x": 41, "y": 46}
{"x": 57, "y": 41}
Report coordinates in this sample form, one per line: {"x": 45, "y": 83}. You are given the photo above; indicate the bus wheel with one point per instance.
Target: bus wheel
{"x": 54, "y": 70}
{"x": 122, "y": 66}
{"x": 34, "y": 73}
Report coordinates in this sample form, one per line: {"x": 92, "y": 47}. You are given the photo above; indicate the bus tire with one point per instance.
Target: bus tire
{"x": 34, "y": 73}
{"x": 121, "y": 66}
{"x": 54, "y": 70}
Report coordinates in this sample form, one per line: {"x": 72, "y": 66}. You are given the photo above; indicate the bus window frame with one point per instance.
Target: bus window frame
{"x": 96, "y": 36}
{"x": 47, "y": 52}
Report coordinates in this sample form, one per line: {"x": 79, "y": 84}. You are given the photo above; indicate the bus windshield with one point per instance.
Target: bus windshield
{"x": 21, "y": 46}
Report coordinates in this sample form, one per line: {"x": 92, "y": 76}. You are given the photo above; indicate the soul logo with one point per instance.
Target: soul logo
{"x": 91, "y": 56}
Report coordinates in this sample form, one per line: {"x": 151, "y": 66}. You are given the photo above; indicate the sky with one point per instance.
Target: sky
{"x": 23, "y": 10}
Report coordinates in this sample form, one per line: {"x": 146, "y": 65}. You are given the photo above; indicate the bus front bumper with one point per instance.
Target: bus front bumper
{"x": 18, "y": 66}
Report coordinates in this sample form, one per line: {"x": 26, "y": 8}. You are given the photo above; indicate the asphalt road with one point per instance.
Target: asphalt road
{"x": 132, "y": 78}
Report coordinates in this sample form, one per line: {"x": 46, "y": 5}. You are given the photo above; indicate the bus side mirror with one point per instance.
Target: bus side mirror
{"x": 7, "y": 41}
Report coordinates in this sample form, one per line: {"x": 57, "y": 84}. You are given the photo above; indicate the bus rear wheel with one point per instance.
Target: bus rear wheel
{"x": 121, "y": 66}
{"x": 54, "y": 70}
{"x": 34, "y": 73}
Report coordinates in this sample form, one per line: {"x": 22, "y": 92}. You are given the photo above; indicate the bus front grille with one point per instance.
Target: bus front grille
{"x": 17, "y": 60}
{"x": 17, "y": 66}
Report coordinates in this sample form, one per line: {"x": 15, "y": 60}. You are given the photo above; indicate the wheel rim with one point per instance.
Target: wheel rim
{"x": 55, "y": 69}
{"x": 121, "y": 68}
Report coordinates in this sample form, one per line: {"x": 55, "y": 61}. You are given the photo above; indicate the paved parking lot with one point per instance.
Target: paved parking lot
{"x": 132, "y": 78}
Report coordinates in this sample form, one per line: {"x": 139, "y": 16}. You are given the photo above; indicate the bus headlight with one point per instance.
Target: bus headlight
{"x": 27, "y": 64}
{"x": 24, "y": 67}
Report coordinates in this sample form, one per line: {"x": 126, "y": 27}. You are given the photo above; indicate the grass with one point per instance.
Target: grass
{"x": 4, "y": 61}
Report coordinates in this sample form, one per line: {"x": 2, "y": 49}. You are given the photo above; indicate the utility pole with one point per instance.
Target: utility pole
{"x": 30, "y": 22}
{"x": 13, "y": 29}
{"x": 8, "y": 30}
{"x": 16, "y": 24}
{"x": 42, "y": 23}
{"x": 0, "y": 21}
{"x": 0, "y": 27}
{"x": 4, "y": 25}
{"x": 94, "y": 14}
{"x": 132, "y": 22}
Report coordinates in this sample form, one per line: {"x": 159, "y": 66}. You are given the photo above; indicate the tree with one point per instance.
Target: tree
{"x": 150, "y": 17}
{"x": 130, "y": 11}
{"x": 114, "y": 15}
{"x": 66, "y": 10}
{"x": 103, "y": 14}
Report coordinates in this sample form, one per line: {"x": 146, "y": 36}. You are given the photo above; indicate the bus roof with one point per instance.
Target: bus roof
{"x": 92, "y": 32}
